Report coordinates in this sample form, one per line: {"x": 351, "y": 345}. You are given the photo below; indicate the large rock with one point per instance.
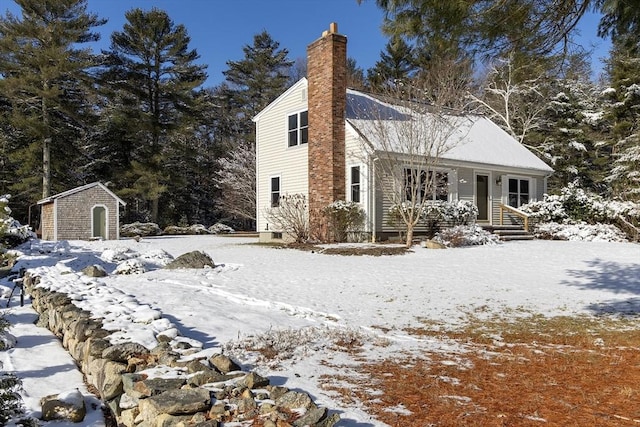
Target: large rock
{"x": 294, "y": 400}
{"x": 140, "y": 229}
{"x": 177, "y": 402}
{"x": 123, "y": 352}
{"x": 253, "y": 380}
{"x": 106, "y": 375}
{"x": 155, "y": 386}
{"x": 64, "y": 406}
{"x": 94, "y": 271}
{"x": 223, "y": 363}
{"x": 195, "y": 259}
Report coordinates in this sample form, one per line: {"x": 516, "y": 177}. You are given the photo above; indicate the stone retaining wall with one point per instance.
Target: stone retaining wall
{"x": 198, "y": 392}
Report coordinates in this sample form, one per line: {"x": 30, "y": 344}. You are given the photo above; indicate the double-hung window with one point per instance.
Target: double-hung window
{"x": 518, "y": 192}
{"x": 275, "y": 191}
{"x": 298, "y": 128}
{"x": 355, "y": 184}
{"x": 420, "y": 184}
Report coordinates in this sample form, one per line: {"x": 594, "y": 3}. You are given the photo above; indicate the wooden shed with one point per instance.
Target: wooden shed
{"x": 91, "y": 211}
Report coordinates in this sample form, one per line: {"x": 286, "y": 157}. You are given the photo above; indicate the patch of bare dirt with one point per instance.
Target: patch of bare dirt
{"x": 347, "y": 250}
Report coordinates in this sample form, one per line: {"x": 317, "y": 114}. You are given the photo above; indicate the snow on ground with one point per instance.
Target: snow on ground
{"x": 259, "y": 289}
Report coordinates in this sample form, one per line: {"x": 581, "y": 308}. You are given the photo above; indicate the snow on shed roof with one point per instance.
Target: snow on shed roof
{"x": 475, "y": 140}
{"x": 79, "y": 189}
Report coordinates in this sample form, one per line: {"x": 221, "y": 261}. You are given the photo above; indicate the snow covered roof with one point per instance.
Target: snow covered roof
{"x": 79, "y": 189}
{"x": 475, "y": 139}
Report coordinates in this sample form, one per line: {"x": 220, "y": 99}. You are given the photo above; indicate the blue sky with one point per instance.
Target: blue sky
{"x": 220, "y": 28}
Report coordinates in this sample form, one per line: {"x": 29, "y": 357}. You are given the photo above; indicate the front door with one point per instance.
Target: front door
{"x": 99, "y": 222}
{"x": 482, "y": 197}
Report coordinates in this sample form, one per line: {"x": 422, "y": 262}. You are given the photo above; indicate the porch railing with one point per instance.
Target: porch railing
{"x": 516, "y": 212}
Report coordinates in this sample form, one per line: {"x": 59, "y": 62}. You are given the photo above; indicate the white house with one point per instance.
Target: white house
{"x": 310, "y": 141}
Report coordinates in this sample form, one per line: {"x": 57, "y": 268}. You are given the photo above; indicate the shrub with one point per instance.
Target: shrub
{"x": 580, "y": 231}
{"x": 10, "y": 385}
{"x": 438, "y": 214}
{"x": 291, "y": 216}
{"x": 574, "y": 205}
{"x": 465, "y": 235}
{"x": 460, "y": 212}
{"x": 346, "y": 219}
{"x": 12, "y": 233}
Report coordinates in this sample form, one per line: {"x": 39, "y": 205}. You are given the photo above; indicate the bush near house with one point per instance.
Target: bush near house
{"x": 438, "y": 215}
{"x": 291, "y": 216}
{"x": 346, "y": 220}
{"x": 577, "y": 208}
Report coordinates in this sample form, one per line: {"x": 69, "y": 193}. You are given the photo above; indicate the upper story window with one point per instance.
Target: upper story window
{"x": 275, "y": 191}
{"x": 518, "y": 192}
{"x": 355, "y": 184}
{"x": 416, "y": 183}
{"x": 298, "y": 125}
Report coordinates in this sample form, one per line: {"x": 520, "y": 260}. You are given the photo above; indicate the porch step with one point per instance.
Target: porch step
{"x": 509, "y": 232}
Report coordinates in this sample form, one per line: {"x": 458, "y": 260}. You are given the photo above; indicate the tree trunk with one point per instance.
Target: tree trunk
{"x": 154, "y": 209}
{"x": 409, "y": 241}
{"x": 46, "y": 149}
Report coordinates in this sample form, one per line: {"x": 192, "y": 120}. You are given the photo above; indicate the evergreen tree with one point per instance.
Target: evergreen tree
{"x": 569, "y": 135}
{"x": 259, "y": 78}
{"x": 355, "y": 75}
{"x": 619, "y": 18}
{"x": 486, "y": 28}
{"x": 44, "y": 77}
{"x": 150, "y": 81}
{"x": 396, "y": 64}
{"x": 624, "y": 113}
{"x": 252, "y": 83}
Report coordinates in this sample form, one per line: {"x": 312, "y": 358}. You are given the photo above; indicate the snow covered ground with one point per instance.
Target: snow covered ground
{"x": 257, "y": 290}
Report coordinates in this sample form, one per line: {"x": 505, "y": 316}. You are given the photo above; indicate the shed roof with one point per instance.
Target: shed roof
{"x": 78, "y": 190}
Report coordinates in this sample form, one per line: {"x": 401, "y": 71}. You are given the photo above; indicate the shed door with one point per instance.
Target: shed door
{"x": 99, "y": 216}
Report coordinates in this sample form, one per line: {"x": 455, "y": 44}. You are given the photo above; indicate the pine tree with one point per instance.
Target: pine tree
{"x": 487, "y": 28}
{"x": 150, "y": 80}
{"x": 570, "y": 132}
{"x": 252, "y": 83}
{"x": 259, "y": 78}
{"x": 45, "y": 74}
{"x": 624, "y": 71}
{"x": 396, "y": 64}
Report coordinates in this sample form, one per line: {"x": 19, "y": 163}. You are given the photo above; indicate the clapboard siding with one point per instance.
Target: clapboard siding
{"x": 275, "y": 157}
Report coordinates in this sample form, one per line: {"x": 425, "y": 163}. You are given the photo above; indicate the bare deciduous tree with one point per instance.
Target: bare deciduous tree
{"x": 291, "y": 215}
{"x": 515, "y": 106}
{"x": 237, "y": 181}
{"x": 405, "y": 132}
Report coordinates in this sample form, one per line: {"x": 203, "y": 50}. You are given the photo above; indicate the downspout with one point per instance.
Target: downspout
{"x": 372, "y": 210}
{"x": 546, "y": 186}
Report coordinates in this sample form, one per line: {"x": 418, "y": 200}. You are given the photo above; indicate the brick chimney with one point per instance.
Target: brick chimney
{"x": 327, "y": 100}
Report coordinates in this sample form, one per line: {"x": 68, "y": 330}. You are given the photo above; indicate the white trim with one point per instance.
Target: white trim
{"x": 117, "y": 221}
{"x": 286, "y": 124}
{"x": 79, "y": 189}
{"x": 279, "y": 176}
{"x": 451, "y": 195}
{"x": 106, "y": 219}
{"x": 302, "y": 82}
{"x": 269, "y": 204}
{"x": 505, "y": 188}
{"x": 362, "y": 175}
{"x": 489, "y": 175}
{"x": 55, "y": 220}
